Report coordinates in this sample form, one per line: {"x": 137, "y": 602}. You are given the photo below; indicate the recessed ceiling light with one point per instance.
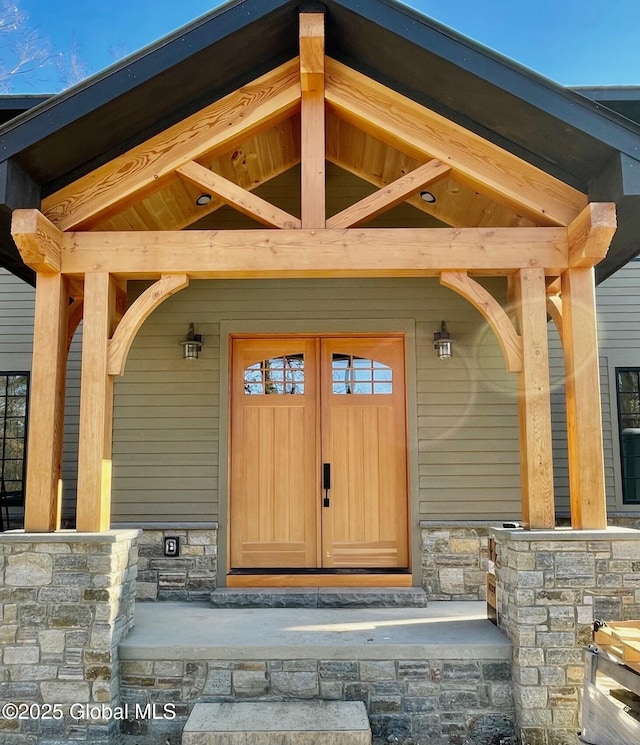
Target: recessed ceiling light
{"x": 428, "y": 197}
{"x": 203, "y": 199}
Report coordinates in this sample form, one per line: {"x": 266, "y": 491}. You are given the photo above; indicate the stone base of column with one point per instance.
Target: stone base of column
{"x": 68, "y": 599}
{"x": 551, "y": 585}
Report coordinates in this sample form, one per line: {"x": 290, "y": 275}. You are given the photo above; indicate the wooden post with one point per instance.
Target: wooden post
{"x": 46, "y": 409}
{"x": 584, "y": 418}
{"x": 96, "y": 405}
{"x": 312, "y": 115}
{"x": 534, "y": 403}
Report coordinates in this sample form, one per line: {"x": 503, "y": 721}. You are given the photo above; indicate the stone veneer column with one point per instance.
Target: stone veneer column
{"x": 551, "y": 585}
{"x": 454, "y": 560}
{"x": 68, "y": 599}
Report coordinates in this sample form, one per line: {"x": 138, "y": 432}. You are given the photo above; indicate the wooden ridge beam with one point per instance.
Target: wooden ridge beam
{"x": 493, "y": 313}
{"x": 421, "y": 133}
{"x": 235, "y": 196}
{"x": 389, "y": 196}
{"x": 590, "y": 234}
{"x": 364, "y": 252}
{"x": 121, "y": 341}
{"x": 312, "y": 121}
{"x": 38, "y": 241}
{"x": 246, "y": 112}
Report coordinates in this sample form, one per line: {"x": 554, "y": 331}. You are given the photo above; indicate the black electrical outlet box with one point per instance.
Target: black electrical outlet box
{"x": 171, "y": 546}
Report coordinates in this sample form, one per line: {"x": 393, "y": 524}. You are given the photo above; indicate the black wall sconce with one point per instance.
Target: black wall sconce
{"x": 442, "y": 342}
{"x": 192, "y": 345}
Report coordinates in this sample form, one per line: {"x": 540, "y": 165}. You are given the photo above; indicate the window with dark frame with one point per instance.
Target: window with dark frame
{"x": 14, "y": 395}
{"x": 628, "y": 394}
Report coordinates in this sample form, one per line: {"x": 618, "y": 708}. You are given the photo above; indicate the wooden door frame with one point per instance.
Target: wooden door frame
{"x": 311, "y": 327}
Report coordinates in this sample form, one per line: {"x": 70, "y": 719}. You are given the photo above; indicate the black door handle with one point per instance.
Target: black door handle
{"x": 326, "y": 483}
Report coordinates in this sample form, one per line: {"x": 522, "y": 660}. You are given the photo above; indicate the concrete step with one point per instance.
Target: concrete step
{"x": 281, "y": 722}
{"x": 319, "y": 597}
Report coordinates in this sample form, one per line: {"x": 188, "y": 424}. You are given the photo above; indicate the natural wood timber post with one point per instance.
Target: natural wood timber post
{"x": 96, "y": 405}
{"x": 584, "y": 418}
{"x": 312, "y": 115}
{"x": 534, "y": 403}
{"x": 46, "y": 410}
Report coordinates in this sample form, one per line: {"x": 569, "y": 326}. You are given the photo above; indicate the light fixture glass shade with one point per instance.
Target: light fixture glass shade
{"x": 192, "y": 345}
{"x": 442, "y": 342}
{"x": 444, "y": 348}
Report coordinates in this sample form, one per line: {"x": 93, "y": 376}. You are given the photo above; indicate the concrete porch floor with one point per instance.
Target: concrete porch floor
{"x": 446, "y": 630}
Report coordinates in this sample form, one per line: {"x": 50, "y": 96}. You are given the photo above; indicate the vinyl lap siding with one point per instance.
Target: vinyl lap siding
{"x": 17, "y": 304}
{"x": 167, "y": 424}
{"x": 618, "y": 303}
{"x": 16, "y": 322}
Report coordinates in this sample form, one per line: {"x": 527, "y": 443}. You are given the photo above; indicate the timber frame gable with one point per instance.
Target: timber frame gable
{"x": 494, "y": 213}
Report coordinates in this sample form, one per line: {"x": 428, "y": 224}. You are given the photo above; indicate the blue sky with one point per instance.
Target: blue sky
{"x": 575, "y": 42}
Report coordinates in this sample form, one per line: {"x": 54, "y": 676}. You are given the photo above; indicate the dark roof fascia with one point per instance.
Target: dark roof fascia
{"x": 12, "y": 106}
{"x": 20, "y": 102}
{"x": 619, "y": 182}
{"x": 624, "y": 100}
{"x": 17, "y": 190}
{"x": 562, "y": 103}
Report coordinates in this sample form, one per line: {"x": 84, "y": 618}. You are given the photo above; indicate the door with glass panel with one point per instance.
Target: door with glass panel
{"x": 318, "y": 454}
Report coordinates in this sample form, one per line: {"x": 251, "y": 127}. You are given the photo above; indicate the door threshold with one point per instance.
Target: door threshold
{"x": 317, "y": 579}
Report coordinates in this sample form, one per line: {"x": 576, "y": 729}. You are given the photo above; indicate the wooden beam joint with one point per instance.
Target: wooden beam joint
{"x": 590, "y": 234}
{"x": 38, "y": 240}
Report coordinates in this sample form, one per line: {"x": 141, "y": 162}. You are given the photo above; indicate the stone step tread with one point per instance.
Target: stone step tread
{"x": 292, "y": 722}
{"x": 322, "y": 597}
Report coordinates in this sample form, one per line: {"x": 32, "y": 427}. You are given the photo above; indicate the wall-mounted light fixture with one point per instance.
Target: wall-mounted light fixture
{"x": 192, "y": 345}
{"x": 442, "y": 342}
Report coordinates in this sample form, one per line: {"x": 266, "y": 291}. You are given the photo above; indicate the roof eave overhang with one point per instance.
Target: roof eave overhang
{"x": 114, "y": 107}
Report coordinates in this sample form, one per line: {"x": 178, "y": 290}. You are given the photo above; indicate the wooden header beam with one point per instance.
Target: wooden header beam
{"x": 363, "y": 252}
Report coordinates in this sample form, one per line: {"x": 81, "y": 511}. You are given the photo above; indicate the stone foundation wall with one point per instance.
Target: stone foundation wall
{"x": 551, "y": 585}
{"x": 422, "y": 702}
{"x": 67, "y": 600}
{"x": 454, "y": 561}
{"x": 189, "y": 576}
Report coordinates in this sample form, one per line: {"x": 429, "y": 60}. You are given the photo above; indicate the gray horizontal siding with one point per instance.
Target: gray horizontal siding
{"x": 618, "y": 303}
{"x": 17, "y": 305}
{"x": 167, "y": 412}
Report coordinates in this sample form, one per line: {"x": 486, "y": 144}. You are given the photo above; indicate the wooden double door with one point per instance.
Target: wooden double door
{"x": 318, "y": 454}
